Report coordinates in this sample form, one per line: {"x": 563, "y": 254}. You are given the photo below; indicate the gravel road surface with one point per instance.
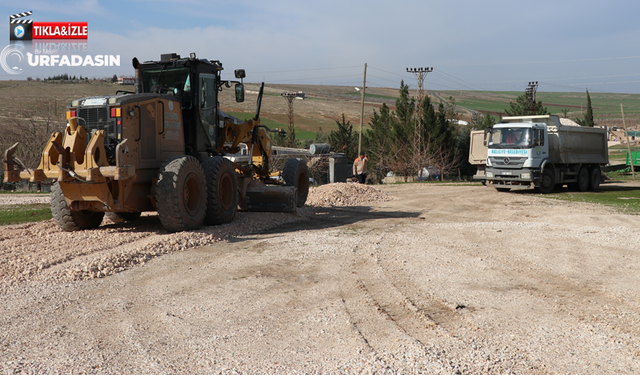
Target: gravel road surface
{"x": 402, "y": 279}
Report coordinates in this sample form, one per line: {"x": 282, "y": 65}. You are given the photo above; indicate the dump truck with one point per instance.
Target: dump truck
{"x": 478, "y": 154}
{"x": 165, "y": 147}
{"x": 538, "y": 151}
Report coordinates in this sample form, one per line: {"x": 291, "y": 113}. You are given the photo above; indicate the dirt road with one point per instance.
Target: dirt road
{"x": 442, "y": 279}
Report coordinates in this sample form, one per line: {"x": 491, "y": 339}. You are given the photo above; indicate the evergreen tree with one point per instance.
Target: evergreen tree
{"x": 588, "y": 116}
{"x": 344, "y": 139}
{"x": 522, "y": 107}
{"x": 114, "y": 79}
{"x": 377, "y": 143}
{"x": 488, "y": 121}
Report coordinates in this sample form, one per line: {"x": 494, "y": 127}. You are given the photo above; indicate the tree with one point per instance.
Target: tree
{"x": 114, "y": 79}
{"x": 480, "y": 121}
{"x": 588, "y": 116}
{"x": 378, "y": 142}
{"x": 321, "y": 136}
{"x": 523, "y": 107}
{"x": 344, "y": 139}
{"x": 31, "y": 125}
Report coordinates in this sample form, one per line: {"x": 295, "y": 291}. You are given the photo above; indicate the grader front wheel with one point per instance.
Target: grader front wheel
{"x": 69, "y": 220}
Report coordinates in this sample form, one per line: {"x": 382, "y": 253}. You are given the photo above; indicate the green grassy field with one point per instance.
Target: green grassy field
{"x": 16, "y": 214}
{"x": 605, "y": 105}
{"x": 624, "y": 199}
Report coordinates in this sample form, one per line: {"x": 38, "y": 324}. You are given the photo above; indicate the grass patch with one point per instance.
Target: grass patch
{"x": 625, "y": 199}
{"x": 24, "y": 213}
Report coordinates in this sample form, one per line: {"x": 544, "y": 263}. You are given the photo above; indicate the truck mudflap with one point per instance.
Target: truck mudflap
{"x": 68, "y": 158}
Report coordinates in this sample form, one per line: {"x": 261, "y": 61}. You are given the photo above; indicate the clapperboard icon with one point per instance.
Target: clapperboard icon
{"x": 20, "y": 29}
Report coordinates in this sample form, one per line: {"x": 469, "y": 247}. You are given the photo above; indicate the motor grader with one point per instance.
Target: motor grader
{"x": 162, "y": 148}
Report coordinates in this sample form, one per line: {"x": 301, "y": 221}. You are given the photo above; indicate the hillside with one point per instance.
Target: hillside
{"x": 323, "y": 104}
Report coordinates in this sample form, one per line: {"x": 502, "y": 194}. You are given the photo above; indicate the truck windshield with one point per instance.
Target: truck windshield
{"x": 511, "y": 138}
{"x": 172, "y": 80}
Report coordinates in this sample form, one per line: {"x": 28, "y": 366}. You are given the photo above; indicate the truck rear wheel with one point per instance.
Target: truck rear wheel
{"x": 181, "y": 194}
{"x": 547, "y": 182}
{"x": 121, "y": 217}
{"x": 222, "y": 190}
{"x": 296, "y": 173}
{"x": 583, "y": 179}
{"x": 69, "y": 220}
{"x": 594, "y": 180}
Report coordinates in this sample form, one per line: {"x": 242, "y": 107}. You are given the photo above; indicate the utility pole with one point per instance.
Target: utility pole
{"x": 633, "y": 169}
{"x": 419, "y": 73}
{"x": 291, "y": 135}
{"x": 530, "y": 92}
{"x": 364, "y": 86}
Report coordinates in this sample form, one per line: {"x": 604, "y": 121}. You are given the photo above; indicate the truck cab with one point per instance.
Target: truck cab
{"x": 516, "y": 152}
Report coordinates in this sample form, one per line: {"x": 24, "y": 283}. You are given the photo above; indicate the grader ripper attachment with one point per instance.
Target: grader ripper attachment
{"x": 166, "y": 147}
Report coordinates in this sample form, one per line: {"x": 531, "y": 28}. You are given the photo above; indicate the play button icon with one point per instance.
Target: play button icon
{"x": 18, "y": 31}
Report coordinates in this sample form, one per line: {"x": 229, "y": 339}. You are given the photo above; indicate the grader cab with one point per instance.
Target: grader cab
{"x": 162, "y": 148}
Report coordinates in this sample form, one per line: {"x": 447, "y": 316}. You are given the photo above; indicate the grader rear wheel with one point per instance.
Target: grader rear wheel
{"x": 296, "y": 173}
{"x": 181, "y": 194}
{"x": 222, "y": 190}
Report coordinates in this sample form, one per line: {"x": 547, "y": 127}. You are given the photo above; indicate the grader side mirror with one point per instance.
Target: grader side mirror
{"x": 239, "y": 92}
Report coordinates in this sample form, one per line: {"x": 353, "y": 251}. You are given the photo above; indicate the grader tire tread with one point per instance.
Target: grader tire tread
{"x": 296, "y": 173}
{"x": 222, "y": 190}
{"x": 177, "y": 177}
{"x": 68, "y": 220}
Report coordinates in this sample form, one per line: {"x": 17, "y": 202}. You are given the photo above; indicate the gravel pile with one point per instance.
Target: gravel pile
{"x": 345, "y": 194}
{"x": 26, "y": 250}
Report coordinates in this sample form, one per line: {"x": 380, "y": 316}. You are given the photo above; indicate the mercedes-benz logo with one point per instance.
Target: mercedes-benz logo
{"x": 506, "y": 160}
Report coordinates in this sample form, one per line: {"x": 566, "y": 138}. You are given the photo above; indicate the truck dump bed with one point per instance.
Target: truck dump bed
{"x": 578, "y": 144}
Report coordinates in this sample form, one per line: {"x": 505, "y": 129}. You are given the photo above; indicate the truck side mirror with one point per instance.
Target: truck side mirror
{"x": 240, "y": 74}
{"x": 239, "y": 92}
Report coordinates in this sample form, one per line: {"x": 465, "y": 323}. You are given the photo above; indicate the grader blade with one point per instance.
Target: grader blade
{"x": 265, "y": 198}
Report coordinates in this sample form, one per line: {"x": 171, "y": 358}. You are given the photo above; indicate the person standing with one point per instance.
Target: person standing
{"x": 360, "y": 167}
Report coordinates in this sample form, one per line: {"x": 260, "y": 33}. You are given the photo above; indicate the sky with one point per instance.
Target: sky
{"x": 567, "y": 46}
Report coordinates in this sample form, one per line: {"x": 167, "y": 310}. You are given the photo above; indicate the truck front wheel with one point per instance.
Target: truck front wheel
{"x": 547, "y": 182}
{"x": 594, "y": 180}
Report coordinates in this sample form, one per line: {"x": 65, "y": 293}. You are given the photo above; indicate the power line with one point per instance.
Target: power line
{"x": 306, "y": 70}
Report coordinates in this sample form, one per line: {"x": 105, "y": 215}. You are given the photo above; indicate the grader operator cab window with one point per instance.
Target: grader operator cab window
{"x": 165, "y": 81}
{"x": 208, "y": 104}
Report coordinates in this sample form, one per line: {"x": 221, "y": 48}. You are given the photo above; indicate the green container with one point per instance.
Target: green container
{"x": 636, "y": 158}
